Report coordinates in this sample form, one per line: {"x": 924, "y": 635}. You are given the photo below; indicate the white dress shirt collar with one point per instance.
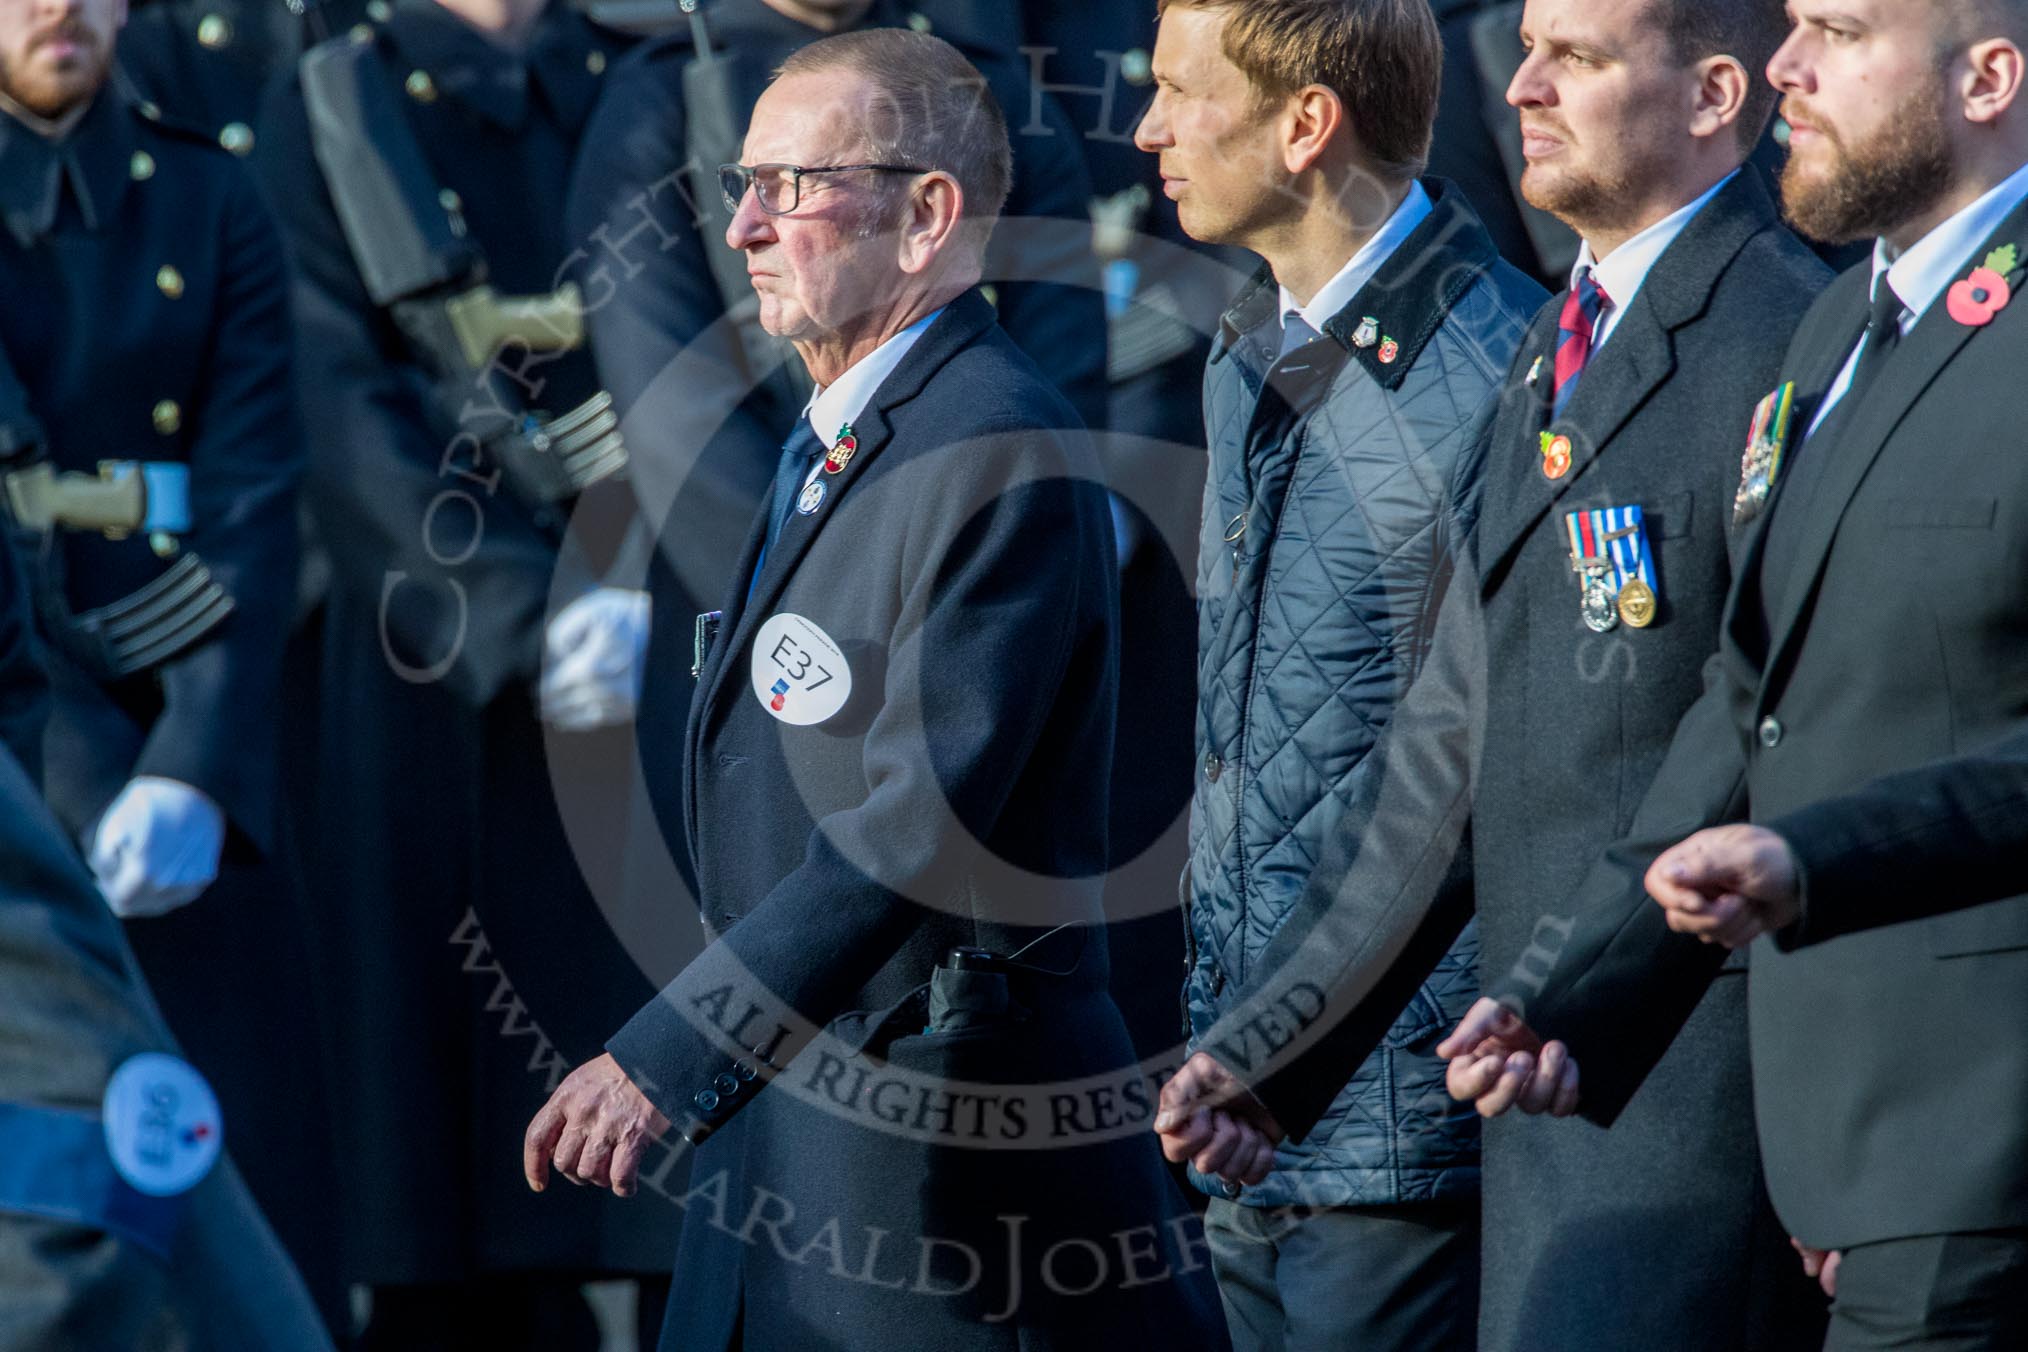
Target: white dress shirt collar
{"x": 1623, "y": 272}
{"x": 1926, "y": 269}
{"x": 833, "y": 406}
{"x": 1337, "y": 293}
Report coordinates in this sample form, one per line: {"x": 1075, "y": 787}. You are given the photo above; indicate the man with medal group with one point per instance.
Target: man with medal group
{"x": 1569, "y": 647}
{"x": 1864, "y": 715}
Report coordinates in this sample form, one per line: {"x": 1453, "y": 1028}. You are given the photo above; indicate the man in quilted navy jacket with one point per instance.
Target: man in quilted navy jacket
{"x": 1345, "y": 392}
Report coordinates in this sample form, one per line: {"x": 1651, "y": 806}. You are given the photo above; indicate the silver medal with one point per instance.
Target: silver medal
{"x": 1598, "y": 604}
{"x": 1601, "y": 616}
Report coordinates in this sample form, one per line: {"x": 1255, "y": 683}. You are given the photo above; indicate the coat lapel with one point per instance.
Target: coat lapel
{"x": 1924, "y": 353}
{"x": 1633, "y": 365}
{"x": 960, "y": 324}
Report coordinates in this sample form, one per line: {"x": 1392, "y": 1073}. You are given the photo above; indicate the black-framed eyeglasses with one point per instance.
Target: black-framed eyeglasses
{"x": 779, "y": 187}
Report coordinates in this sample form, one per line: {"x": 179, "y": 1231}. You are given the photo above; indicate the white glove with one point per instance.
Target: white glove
{"x": 593, "y": 654}
{"x": 157, "y": 847}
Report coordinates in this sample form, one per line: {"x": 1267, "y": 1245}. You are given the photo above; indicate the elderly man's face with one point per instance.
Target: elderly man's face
{"x": 54, "y": 54}
{"x": 822, "y": 268}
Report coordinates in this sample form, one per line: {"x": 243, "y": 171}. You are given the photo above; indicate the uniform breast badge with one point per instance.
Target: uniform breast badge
{"x": 1615, "y": 568}
{"x": 841, "y": 452}
{"x": 1766, "y": 441}
{"x": 1556, "y": 453}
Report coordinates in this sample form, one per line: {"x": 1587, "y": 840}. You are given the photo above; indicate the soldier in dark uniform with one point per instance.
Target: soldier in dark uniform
{"x": 456, "y": 430}
{"x": 145, "y": 333}
{"x": 205, "y": 63}
{"x": 658, "y": 282}
{"x": 86, "y": 1259}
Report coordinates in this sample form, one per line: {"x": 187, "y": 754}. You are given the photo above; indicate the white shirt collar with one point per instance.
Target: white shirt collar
{"x": 1337, "y": 293}
{"x": 1624, "y": 271}
{"x": 1927, "y": 268}
{"x": 844, "y": 399}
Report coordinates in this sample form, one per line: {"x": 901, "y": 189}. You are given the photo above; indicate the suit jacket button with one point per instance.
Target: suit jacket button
{"x": 745, "y": 1070}
{"x": 1770, "y": 732}
{"x": 1213, "y": 768}
{"x": 726, "y": 1084}
{"x": 706, "y": 1101}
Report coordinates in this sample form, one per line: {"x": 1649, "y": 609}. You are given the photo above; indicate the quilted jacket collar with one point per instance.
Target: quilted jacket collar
{"x": 1407, "y": 299}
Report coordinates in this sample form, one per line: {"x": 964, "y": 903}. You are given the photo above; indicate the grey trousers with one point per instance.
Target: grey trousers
{"x": 1347, "y": 1279}
{"x": 1938, "y": 1293}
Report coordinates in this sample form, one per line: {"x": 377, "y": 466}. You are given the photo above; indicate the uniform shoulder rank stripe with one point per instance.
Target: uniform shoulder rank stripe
{"x": 1767, "y": 439}
{"x": 1614, "y": 566}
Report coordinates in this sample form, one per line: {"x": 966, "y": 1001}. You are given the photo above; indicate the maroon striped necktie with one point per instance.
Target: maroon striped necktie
{"x": 1581, "y": 311}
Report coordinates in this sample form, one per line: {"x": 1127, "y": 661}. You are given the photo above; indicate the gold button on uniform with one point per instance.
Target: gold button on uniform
{"x": 237, "y": 137}
{"x": 167, "y": 417}
{"x": 420, "y": 86}
{"x": 142, "y": 166}
{"x": 169, "y": 281}
{"x": 214, "y": 31}
{"x": 595, "y": 62}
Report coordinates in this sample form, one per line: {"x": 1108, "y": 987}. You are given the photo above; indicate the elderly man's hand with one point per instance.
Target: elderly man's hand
{"x": 1728, "y": 885}
{"x": 1208, "y": 1117}
{"x": 595, "y": 1128}
{"x": 1497, "y": 1062}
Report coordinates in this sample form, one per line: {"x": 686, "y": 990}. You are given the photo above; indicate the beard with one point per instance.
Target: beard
{"x": 1871, "y": 187}
{"x": 1593, "y": 198}
{"x": 50, "y": 91}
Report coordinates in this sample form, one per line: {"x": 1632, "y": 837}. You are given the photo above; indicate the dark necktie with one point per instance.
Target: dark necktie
{"x": 1574, "y": 332}
{"x": 1882, "y": 337}
{"x": 801, "y": 449}
{"x": 1807, "y": 463}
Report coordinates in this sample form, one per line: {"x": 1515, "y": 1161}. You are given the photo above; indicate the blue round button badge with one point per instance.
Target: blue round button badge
{"x": 162, "y": 1123}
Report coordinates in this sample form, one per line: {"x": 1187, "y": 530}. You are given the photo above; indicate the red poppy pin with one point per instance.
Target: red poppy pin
{"x": 1974, "y": 301}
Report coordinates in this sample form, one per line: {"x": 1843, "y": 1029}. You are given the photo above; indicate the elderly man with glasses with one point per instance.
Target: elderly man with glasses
{"x": 913, "y": 1108}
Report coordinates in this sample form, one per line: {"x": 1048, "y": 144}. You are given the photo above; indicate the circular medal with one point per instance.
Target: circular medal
{"x": 813, "y": 497}
{"x": 1599, "y": 614}
{"x": 1637, "y": 604}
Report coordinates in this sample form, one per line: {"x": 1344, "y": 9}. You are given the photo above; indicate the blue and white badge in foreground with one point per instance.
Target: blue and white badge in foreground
{"x": 163, "y": 1127}
{"x": 799, "y": 675}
